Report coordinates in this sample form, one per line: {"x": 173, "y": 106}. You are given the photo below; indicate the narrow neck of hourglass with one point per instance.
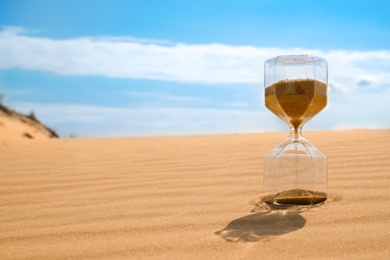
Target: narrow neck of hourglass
{"x": 296, "y": 133}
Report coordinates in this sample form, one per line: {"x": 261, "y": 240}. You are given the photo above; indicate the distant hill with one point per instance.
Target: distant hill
{"x": 16, "y": 125}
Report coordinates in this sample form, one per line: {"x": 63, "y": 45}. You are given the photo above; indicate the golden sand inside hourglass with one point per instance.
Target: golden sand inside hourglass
{"x": 296, "y": 101}
{"x": 297, "y": 197}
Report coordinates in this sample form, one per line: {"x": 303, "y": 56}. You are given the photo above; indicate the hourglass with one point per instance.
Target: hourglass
{"x": 295, "y": 172}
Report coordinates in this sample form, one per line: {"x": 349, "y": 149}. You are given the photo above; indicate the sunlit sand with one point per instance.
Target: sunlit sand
{"x": 186, "y": 197}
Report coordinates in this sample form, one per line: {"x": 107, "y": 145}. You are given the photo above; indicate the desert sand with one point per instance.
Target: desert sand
{"x": 187, "y": 197}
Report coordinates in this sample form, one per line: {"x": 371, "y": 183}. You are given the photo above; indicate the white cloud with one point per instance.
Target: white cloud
{"x": 87, "y": 120}
{"x": 127, "y": 57}
{"x": 362, "y": 77}
{"x": 236, "y": 104}
{"x": 361, "y": 110}
{"x": 167, "y": 97}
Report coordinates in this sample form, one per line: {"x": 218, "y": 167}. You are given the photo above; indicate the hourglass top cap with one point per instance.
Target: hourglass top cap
{"x": 302, "y": 59}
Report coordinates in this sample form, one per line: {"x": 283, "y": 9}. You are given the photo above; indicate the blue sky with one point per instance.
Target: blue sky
{"x": 131, "y": 68}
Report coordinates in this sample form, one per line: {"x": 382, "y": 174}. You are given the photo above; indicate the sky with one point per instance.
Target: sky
{"x": 97, "y": 68}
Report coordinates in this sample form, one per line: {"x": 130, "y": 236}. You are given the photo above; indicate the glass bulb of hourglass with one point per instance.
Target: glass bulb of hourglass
{"x": 296, "y": 101}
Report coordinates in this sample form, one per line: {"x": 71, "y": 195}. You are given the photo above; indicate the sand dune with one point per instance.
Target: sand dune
{"x": 14, "y": 125}
{"x": 187, "y": 197}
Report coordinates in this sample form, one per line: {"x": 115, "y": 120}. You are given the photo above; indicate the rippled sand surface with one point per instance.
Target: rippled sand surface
{"x": 187, "y": 197}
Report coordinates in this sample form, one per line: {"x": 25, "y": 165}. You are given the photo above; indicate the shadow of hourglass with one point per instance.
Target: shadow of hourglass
{"x": 261, "y": 226}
